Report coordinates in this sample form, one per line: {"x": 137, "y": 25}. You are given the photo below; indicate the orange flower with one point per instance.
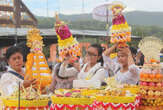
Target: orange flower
{"x": 142, "y": 75}
{"x": 146, "y": 76}
{"x": 159, "y": 76}
{"x": 153, "y": 61}
{"x": 152, "y": 76}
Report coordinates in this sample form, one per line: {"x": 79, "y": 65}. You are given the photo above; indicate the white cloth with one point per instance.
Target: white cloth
{"x": 129, "y": 77}
{"x": 9, "y": 82}
{"x": 97, "y": 72}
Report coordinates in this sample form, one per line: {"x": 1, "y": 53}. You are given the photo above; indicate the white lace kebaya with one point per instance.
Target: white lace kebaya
{"x": 129, "y": 77}
{"x": 9, "y": 82}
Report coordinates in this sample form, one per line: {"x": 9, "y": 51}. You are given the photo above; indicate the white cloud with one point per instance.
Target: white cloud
{"x": 129, "y": 9}
{"x": 42, "y": 12}
{"x": 38, "y": 7}
{"x": 51, "y": 13}
{"x": 34, "y": 0}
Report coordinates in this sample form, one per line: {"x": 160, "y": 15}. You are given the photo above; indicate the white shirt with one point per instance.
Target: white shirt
{"x": 97, "y": 72}
{"x": 129, "y": 77}
{"x": 9, "y": 82}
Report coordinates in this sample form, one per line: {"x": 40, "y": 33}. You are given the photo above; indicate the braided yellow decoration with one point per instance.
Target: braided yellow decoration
{"x": 36, "y": 65}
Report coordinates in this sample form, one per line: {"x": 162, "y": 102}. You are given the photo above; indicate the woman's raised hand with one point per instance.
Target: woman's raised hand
{"x": 108, "y": 51}
{"x": 125, "y": 50}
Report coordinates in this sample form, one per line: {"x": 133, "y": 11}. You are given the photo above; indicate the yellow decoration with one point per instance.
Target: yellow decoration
{"x": 72, "y": 101}
{"x": 117, "y": 4}
{"x": 112, "y": 84}
{"x": 132, "y": 90}
{"x": 28, "y": 98}
{"x": 36, "y": 65}
{"x": 89, "y": 77}
{"x": 87, "y": 92}
{"x": 1, "y": 103}
{"x": 116, "y": 99}
{"x": 33, "y": 35}
{"x": 25, "y": 103}
{"x": 113, "y": 55}
{"x": 66, "y": 43}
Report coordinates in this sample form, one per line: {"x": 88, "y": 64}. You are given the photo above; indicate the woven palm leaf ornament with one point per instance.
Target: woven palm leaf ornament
{"x": 151, "y": 47}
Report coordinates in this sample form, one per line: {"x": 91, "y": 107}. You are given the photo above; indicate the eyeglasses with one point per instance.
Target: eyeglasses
{"x": 91, "y": 54}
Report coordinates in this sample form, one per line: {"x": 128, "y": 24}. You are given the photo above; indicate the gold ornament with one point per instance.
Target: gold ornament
{"x": 32, "y": 36}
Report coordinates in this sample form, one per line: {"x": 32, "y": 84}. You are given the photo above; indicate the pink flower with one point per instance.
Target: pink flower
{"x": 68, "y": 94}
{"x": 63, "y": 32}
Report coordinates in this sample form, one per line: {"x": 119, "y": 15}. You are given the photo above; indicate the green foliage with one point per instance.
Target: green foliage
{"x": 45, "y": 22}
{"x": 144, "y": 31}
{"x": 161, "y": 60}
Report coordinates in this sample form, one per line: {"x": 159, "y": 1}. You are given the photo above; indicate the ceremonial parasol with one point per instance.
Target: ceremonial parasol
{"x": 102, "y": 13}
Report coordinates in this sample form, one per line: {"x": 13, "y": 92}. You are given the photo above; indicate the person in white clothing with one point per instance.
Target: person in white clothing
{"x": 126, "y": 72}
{"x": 15, "y": 73}
{"x": 93, "y": 69}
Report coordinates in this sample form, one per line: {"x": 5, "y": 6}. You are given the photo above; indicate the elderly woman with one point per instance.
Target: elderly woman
{"x": 15, "y": 73}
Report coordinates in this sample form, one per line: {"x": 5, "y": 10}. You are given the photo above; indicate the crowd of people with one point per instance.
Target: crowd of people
{"x": 96, "y": 65}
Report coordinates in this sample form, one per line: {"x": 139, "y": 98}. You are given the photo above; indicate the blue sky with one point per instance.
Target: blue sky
{"x": 39, "y": 7}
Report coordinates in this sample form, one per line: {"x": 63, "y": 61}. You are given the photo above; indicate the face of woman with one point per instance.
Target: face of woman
{"x": 92, "y": 55}
{"x": 122, "y": 58}
{"x": 16, "y": 61}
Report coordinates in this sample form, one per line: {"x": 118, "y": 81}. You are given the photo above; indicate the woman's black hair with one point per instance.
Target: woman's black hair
{"x": 25, "y": 50}
{"x": 141, "y": 60}
{"x": 133, "y": 50}
{"x": 100, "y": 51}
{"x": 12, "y": 50}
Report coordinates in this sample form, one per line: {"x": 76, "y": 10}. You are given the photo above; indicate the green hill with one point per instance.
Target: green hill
{"x": 145, "y": 18}
{"x": 85, "y": 21}
{"x": 143, "y": 23}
